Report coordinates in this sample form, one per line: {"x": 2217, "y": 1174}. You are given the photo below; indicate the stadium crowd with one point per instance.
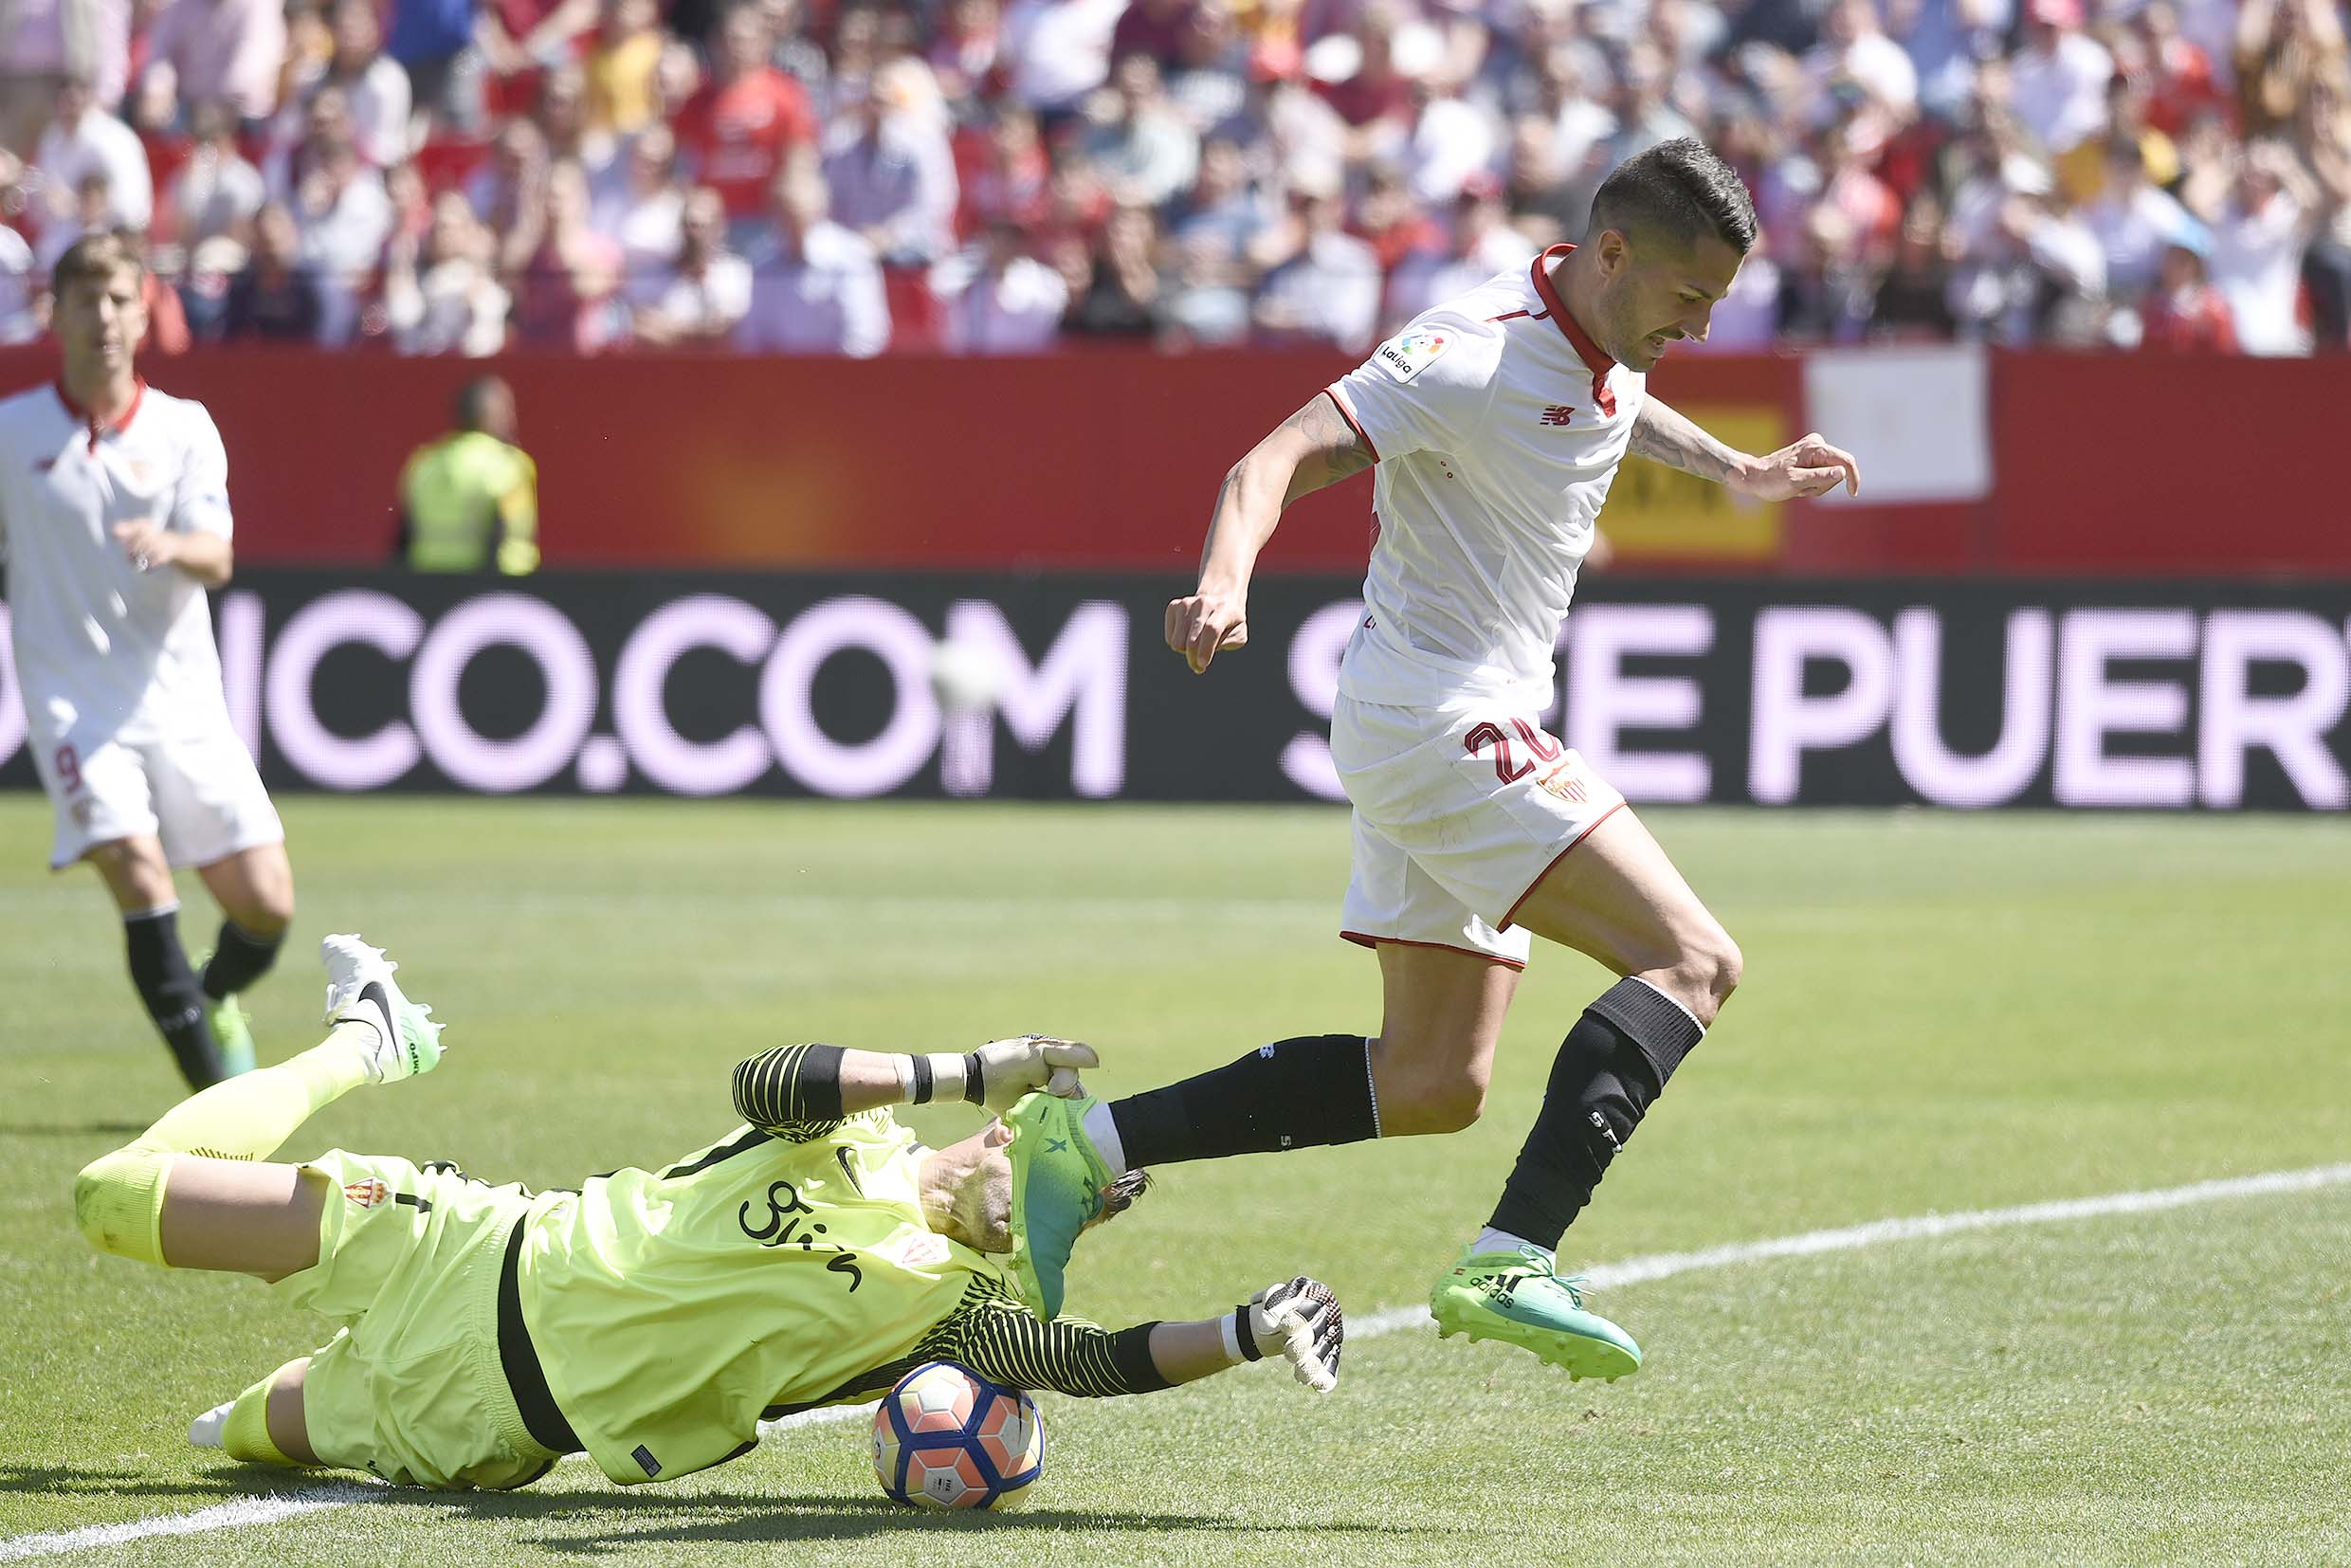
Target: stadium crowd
{"x": 462, "y": 176}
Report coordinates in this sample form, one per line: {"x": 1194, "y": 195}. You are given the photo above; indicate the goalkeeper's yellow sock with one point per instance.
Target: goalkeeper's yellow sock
{"x": 118, "y": 1196}
{"x": 246, "y": 1435}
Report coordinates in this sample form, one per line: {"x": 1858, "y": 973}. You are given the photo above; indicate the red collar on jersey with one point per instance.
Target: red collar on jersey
{"x": 120, "y": 423}
{"x": 1589, "y": 352}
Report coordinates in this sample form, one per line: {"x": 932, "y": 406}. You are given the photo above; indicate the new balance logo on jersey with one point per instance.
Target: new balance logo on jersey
{"x": 1557, "y": 414}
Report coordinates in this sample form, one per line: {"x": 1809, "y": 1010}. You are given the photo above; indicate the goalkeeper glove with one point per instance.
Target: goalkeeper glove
{"x": 1298, "y": 1320}
{"x": 1009, "y": 1068}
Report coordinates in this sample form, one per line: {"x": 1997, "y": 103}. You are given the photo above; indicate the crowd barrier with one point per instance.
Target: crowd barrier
{"x": 1973, "y": 462}
{"x": 1964, "y": 694}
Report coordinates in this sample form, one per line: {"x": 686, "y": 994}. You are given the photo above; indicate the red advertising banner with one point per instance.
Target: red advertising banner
{"x": 1111, "y": 459}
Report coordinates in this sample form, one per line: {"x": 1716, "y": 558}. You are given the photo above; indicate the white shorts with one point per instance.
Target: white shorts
{"x": 198, "y": 791}
{"x": 1458, "y": 813}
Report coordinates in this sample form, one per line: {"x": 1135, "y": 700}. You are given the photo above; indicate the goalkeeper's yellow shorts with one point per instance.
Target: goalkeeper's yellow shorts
{"x": 411, "y": 1387}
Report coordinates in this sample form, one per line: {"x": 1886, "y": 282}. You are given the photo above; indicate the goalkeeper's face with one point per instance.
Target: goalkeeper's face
{"x": 981, "y": 1216}
{"x": 976, "y": 1177}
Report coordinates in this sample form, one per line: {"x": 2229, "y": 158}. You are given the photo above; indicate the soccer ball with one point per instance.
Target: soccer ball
{"x": 946, "y": 1437}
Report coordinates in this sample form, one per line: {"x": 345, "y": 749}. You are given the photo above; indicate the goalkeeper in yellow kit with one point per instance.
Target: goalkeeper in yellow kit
{"x": 650, "y": 1319}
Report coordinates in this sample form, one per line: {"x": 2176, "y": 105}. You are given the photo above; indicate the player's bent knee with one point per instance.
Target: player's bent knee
{"x": 118, "y": 1203}
{"x": 1703, "y": 974}
{"x": 1432, "y": 1106}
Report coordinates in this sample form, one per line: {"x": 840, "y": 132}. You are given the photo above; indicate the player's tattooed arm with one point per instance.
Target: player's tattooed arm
{"x": 1664, "y": 436}
{"x": 1313, "y": 447}
{"x": 1806, "y": 468}
{"x": 1332, "y": 451}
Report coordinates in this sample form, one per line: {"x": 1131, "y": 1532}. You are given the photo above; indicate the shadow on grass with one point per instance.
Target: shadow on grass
{"x": 221, "y": 1486}
{"x": 604, "y": 1524}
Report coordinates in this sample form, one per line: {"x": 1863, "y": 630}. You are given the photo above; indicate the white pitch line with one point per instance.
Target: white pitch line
{"x": 269, "y": 1510}
{"x": 245, "y": 1510}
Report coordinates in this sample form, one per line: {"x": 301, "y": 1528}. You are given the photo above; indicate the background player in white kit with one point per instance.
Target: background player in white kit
{"x": 114, "y": 519}
{"x": 1498, "y": 421}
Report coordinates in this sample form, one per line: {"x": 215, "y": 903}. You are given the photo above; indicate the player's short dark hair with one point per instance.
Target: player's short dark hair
{"x": 96, "y": 258}
{"x": 473, "y": 401}
{"x": 1120, "y": 1195}
{"x": 1678, "y": 187}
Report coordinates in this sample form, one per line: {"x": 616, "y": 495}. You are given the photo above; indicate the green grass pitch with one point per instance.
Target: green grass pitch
{"x": 1941, "y": 1013}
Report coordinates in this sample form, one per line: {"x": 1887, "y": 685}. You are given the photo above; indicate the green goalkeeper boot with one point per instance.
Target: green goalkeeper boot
{"x": 1520, "y": 1298}
{"x": 1058, "y": 1179}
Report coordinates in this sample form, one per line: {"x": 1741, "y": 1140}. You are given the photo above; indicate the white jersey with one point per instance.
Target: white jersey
{"x": 1498, "y": 427}
{"x": 103, "y": 648}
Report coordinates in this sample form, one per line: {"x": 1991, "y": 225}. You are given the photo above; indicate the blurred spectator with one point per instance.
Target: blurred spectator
{"x": 1141, "y": 147}
{"x": 517, "y": 37}
{"x": 275, "y": 297}
{"x": 1210, "y": 241}
{"x": 442, "y": 295}
{"x": 511, "y": 180}
{"x": 998, "y": 299}
{"x": 815, "y": 286}
{"x": 43, "y": 42}
{"x": 19, "y": 322}
{"x": 1322, "y": 283}
{"x": 1854, "y": 54}
{"x": 1481, "y": 243}
{"x": 341, "y": 207}
{"x": 215, "y": 191}
{"x": 963, "y": 56}
{"x": 737, "y": 130}
{"x": 434, "y": 42}
{"x": 1912, "y": 299}
{"x": 204, "y": 51}
{"x": 1058, "y": 50}
{"x": 2132, "y": 221}
{"x": 644, "y": 212}
{"x": 469, "y": 501}
{"x": 2022, "y": 264}
{"x": 2258, "y": 238}
{"x": 2178, "y": 72}
{"x": 890, "y": 169}
{"x": 2185, "y": 314}
{"x": 1121, "y": 295}
{"x": 1208, "y": 81}
{"x": 2326, "y": 269}
{"x": 83, "y": 140}
{"x": 1154, "y": 29}
{"x": 2285, "y": 49}
{"x": 374, "y": 89}
{"x": 696, "y": 298}
{"x": 2057, "y": 83}
{"x": 1010, "y": 182}
{"x": 93, "y": 213}
{"x": 622, "y": 67}
{"x": 568, "y": 274}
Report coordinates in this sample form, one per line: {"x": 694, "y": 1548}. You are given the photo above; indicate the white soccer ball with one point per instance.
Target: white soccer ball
{"x": 966, "y": 677}
{"x": 946, "y": 1437}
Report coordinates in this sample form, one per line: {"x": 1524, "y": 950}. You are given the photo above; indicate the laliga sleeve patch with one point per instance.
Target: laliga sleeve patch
{"x": 1406, "y": 355}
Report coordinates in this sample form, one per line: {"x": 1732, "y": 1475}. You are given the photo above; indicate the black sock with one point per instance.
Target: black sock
{"x": 1294, "y": 1094}
{"x": 175, "y": 1001}
{"x": 1614, "y": 1063}
{"x": 239, "y": 960}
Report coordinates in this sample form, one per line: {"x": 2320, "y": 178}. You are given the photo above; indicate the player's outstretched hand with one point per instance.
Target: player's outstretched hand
{"x": 1300, "y": 1320}
{"x": 1205, "y": 625}
{"x": 1808, "y": 467}
{"x": 1009, "y": 1069}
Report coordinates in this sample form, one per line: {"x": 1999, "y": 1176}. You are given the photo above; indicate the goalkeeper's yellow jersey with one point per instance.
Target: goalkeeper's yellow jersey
{"x": 773, "y": 1270}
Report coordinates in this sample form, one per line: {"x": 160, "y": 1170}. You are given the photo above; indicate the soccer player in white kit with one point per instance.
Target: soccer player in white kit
{"x": 114, "y": 520}
{"x": 1497, "y": 421}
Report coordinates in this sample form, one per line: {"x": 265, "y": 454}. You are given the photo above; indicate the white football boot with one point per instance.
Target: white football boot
{"x": 204, "y": 1431}
{"x": 359, "y": 989}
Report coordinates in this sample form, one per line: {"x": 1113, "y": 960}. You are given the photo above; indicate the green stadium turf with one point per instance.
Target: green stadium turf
{"x": 1941, "y": 1013}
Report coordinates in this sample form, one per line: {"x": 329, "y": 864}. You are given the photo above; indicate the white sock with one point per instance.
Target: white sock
{"x": 1491, "y": 1240}
{"x": 1101, "y": 1130}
